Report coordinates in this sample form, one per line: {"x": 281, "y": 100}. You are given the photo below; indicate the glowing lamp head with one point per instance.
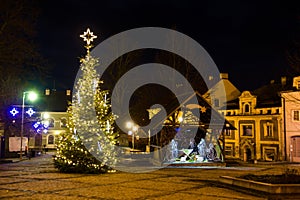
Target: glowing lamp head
{"x": 135, "y": 128}
{"x": 180, "y": 119}
{"x": 129, "y": 125}
{"x": 32, "y": 96}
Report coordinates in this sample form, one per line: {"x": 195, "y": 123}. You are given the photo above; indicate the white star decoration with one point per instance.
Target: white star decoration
{"x": 88, "y": 36}
{"x": 14, "y": 111}
{"x": 30, "y": 112}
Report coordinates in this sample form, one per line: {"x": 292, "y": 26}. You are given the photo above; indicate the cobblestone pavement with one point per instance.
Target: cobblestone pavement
{"x": 37, "y": 179}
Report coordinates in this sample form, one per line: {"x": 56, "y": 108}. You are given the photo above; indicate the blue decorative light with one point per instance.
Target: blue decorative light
{"x": 14, "y": 112}
{"x": 30, "y": 112}
{"x": 36, "y": 125}
{"x": 46, "y": 125}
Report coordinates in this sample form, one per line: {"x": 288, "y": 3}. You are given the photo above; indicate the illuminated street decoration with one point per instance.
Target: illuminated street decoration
{"x": 36, "y": 125}
{"x": 30, "y": 112}
{"x": 88, "y": 36}
{"x": 14, "y": 112}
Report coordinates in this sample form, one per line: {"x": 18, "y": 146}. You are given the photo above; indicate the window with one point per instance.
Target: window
{"x": 68, "y": 92}
{"x": 296, "y": 116}
{"x": 216, "y": 102}
{"x": 63, "y": 123}
{"x": 295, "y": 146}
{"x": 247, "y": 108}
{"x": 51, "y": 122}
{"x": 247, "y": 130}
{"x": 269, "y": 154}
{"x": 47, "y": 92}
{"x": 268, "y": 129}
{"x": 229, "y": 150}
{"x": 229, "y": 132}
{"x": 50, "y": 139}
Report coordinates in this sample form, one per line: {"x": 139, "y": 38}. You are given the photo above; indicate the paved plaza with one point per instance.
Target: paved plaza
{"x": 38, "y": 179}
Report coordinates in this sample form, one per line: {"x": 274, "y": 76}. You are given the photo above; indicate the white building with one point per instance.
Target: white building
{"x": 291, "y": 122}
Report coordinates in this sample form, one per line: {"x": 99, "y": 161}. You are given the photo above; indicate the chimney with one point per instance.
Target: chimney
{"x": 223, "y": 75}
{"x": 283, "y": 80}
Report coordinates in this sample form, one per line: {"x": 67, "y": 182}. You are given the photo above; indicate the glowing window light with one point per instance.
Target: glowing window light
{"x": 30, "y": 112}
{"x": 14, "y": 112}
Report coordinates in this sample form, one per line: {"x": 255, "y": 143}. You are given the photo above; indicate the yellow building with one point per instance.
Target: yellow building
{"x": 56, "y": 124}
{"x": 259, "y": 131}
{"x": 258, "y": 118}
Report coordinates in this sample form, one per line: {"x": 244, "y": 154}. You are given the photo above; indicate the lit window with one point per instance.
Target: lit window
{"x": 47, "y": 92}
{"x": 268, "y": 129}
{"x": 68, "y": 92}
{"x": 63, "y": 122}
{"x": 50, "y": 139}
{"x": 228, "y": 150}
{"x": 228, "y": 132}
{"x": 247, "y": 130}
{"x": 296, "y": 116}
{"x": 51, "y": 122}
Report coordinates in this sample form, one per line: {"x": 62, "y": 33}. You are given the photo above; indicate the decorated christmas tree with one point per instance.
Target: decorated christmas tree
{"x": 89, "y": 144}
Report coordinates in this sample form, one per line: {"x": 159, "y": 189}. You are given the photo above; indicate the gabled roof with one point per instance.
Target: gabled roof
{"x": 231, "y": 91}
{"x": 208, "y": 116}
{"x": 268, "y": 95}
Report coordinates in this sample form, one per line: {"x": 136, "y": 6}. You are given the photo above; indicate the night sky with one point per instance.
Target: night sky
{"x": 247, "y": 39}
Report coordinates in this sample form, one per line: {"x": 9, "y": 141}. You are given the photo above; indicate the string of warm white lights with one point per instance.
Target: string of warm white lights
{"x": 88, "y": 145}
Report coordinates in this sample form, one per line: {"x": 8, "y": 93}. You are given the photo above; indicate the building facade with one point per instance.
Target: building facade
{"x": 258, "y": 118}
{"x": 56, "y": 123}
{"x": 259, "y": 130}
{"x": 291, "y": 122}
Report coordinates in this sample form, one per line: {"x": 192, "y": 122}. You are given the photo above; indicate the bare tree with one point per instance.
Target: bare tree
{"x": 20, "y": 61}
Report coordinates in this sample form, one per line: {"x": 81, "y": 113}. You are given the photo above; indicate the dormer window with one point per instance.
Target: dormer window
{"x": 296, "y": 82}
{"x": 247, "y": 109}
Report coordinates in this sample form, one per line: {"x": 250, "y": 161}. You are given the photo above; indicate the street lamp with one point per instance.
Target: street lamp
{"x": 132, "y": 131}
{"x": 31, "y": 96}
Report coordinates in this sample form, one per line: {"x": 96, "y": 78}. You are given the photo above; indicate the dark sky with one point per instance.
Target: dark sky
{"x": 247, "y": 39}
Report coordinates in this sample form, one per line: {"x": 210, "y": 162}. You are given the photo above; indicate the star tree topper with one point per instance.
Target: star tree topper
{"x": 88, "y": 36}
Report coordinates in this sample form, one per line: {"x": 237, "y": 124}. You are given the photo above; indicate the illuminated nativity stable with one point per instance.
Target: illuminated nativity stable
{"x": 184, "y": 139}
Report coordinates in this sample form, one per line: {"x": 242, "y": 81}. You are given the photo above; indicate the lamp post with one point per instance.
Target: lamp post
{"x": 31, "y": 96}
{"x": 132, "y": 129}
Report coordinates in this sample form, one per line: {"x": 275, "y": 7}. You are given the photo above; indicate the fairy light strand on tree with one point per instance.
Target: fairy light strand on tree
{"x": 99, "y": 155}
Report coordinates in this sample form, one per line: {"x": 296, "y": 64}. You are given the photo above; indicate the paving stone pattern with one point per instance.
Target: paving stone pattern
{"x": 38, "y": 179}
